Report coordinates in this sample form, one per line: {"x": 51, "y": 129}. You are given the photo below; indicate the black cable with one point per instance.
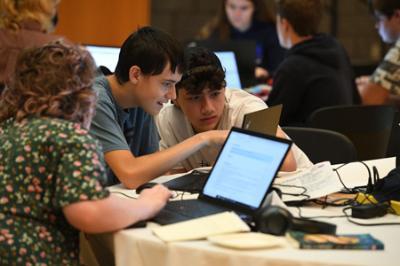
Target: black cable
{"x": 333, "y": 203}
{"x": 295, "y": 194}
{"x": 355, "y": 189}
{"x": 124, "y": 194}
{"x": 318, "y": 217}
{"x": 341, "y": 181}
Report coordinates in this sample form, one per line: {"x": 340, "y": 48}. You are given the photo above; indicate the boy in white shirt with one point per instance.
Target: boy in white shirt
{"x": 204, "y": 104}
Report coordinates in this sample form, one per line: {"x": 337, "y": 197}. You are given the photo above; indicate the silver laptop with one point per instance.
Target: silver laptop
{"x": 265, "y": 121}
{"x": 239, "y": 181}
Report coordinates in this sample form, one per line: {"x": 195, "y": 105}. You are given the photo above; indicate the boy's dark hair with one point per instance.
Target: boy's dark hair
{"x": 384, "y": 7}
{"x": 304, "y": 15}
{"x": 150, "y": 49}
{"x": 202, "y": 69}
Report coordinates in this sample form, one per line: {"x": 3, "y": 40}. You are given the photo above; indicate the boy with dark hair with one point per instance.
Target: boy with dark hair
{"x": 316, "y": 71}
{"x": 384, "y": 84}
{"x": 203, "y": 104}
{"x": 150, "y": 64}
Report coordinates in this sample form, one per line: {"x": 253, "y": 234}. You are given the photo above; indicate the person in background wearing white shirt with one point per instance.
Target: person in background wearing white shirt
{"x": 204, "y": 104}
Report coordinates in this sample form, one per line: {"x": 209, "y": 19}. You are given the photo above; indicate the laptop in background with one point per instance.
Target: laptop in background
{"x": 239, "y": 181}
{"x": 228, "y": 62}
{"x": 265, "y": 121}
{"x": 104, "y": 55}
{"x": 245, "y": 53}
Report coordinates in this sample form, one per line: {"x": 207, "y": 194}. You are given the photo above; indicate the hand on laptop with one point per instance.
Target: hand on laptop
{"x": 152, "y": 200}
{"x": 215, "y": 137}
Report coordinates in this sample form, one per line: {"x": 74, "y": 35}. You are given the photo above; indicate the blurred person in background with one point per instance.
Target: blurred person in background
{"x": 24, "y": 24}
{"x": 384, "y": 85}
{"x": 248, "y": 20}
{"x": 316, "y": 71}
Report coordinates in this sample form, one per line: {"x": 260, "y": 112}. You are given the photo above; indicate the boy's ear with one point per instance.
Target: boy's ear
{"x": 134, "y": 74}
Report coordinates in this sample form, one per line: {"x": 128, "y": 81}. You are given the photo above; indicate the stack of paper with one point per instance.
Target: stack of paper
{"x": 311, "y": 183}
{"x": 201, "y": 228}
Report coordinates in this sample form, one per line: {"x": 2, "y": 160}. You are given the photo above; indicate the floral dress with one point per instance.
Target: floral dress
{"x": 45, "y": 165}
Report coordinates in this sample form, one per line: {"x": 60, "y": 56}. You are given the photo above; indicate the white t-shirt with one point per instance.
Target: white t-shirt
{"x": 174, "y": 127}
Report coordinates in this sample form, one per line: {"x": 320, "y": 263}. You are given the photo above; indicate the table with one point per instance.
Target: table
{"x": 141, "y": 247}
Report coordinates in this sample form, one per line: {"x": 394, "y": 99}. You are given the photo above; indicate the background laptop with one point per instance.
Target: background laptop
{"x": 108, "y": 56}
{"x": 104, "y": 55}
{"x": 228, "y": 62}
{"x": 264, "y": 121}
{"x": 245, "y": 53}
{"x": 239, "y": 181}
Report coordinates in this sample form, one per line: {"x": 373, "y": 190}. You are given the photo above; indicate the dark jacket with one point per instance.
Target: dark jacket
{"x": 315, "y": 73}
{"x": 269, "y": 54}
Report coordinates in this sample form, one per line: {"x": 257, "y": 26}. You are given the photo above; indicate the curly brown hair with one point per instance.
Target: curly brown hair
{"x": 51, "y": 81}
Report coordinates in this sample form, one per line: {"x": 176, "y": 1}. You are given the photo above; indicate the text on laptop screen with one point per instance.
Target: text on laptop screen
{"x": 228, "y": 62}
{"x": 104, "y": 56}
{"x": 245, "y": 168}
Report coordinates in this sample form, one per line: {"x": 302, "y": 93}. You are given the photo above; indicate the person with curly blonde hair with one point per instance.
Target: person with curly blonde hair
{"x": 50, "y": 167}
{"x": 24, "y": 24}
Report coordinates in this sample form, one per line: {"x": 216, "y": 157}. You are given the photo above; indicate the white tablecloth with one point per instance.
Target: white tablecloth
{"x": 140, "y": 247}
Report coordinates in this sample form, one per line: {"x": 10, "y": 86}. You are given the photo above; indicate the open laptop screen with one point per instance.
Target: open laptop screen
{"x": 104, "y": 55}
{"x": 246, "y": 168}
{"x": 228, "y": 62}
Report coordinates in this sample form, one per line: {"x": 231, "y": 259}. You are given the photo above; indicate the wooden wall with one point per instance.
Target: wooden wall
{"x": 101, "y": 22}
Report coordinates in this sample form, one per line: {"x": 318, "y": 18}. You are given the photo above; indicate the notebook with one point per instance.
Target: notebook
{"x": 228, "y": 62}
{"x": 264, "y": 121}
{"x": 104, "y": 55}
{"x": 239, "y": 181}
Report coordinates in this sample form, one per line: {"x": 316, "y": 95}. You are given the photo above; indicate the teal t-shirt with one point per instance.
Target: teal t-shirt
{"x": 121, "y": 129}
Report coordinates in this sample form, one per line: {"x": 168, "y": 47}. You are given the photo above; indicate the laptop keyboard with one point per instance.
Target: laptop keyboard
{"x": 192, "y": 182}
{"x": 182, "y": 210}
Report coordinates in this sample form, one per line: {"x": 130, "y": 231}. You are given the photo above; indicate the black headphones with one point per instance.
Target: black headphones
{"x": 277, "y": 220}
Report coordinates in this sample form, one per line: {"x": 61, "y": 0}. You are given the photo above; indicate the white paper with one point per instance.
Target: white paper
{"x": 316, "y": 181}
{"x": 200, "y": 228}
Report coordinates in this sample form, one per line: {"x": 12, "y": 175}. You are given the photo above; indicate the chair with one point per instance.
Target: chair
{"x": 323, "y": 145}
{"x": 367, "y": 126}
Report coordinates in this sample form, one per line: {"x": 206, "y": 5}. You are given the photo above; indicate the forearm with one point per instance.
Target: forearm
{"x": 134, "y": 171}
{"x": 289, "y": 164}
{"x": 373, "y": 94}
{"x": 110, "y": 214}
